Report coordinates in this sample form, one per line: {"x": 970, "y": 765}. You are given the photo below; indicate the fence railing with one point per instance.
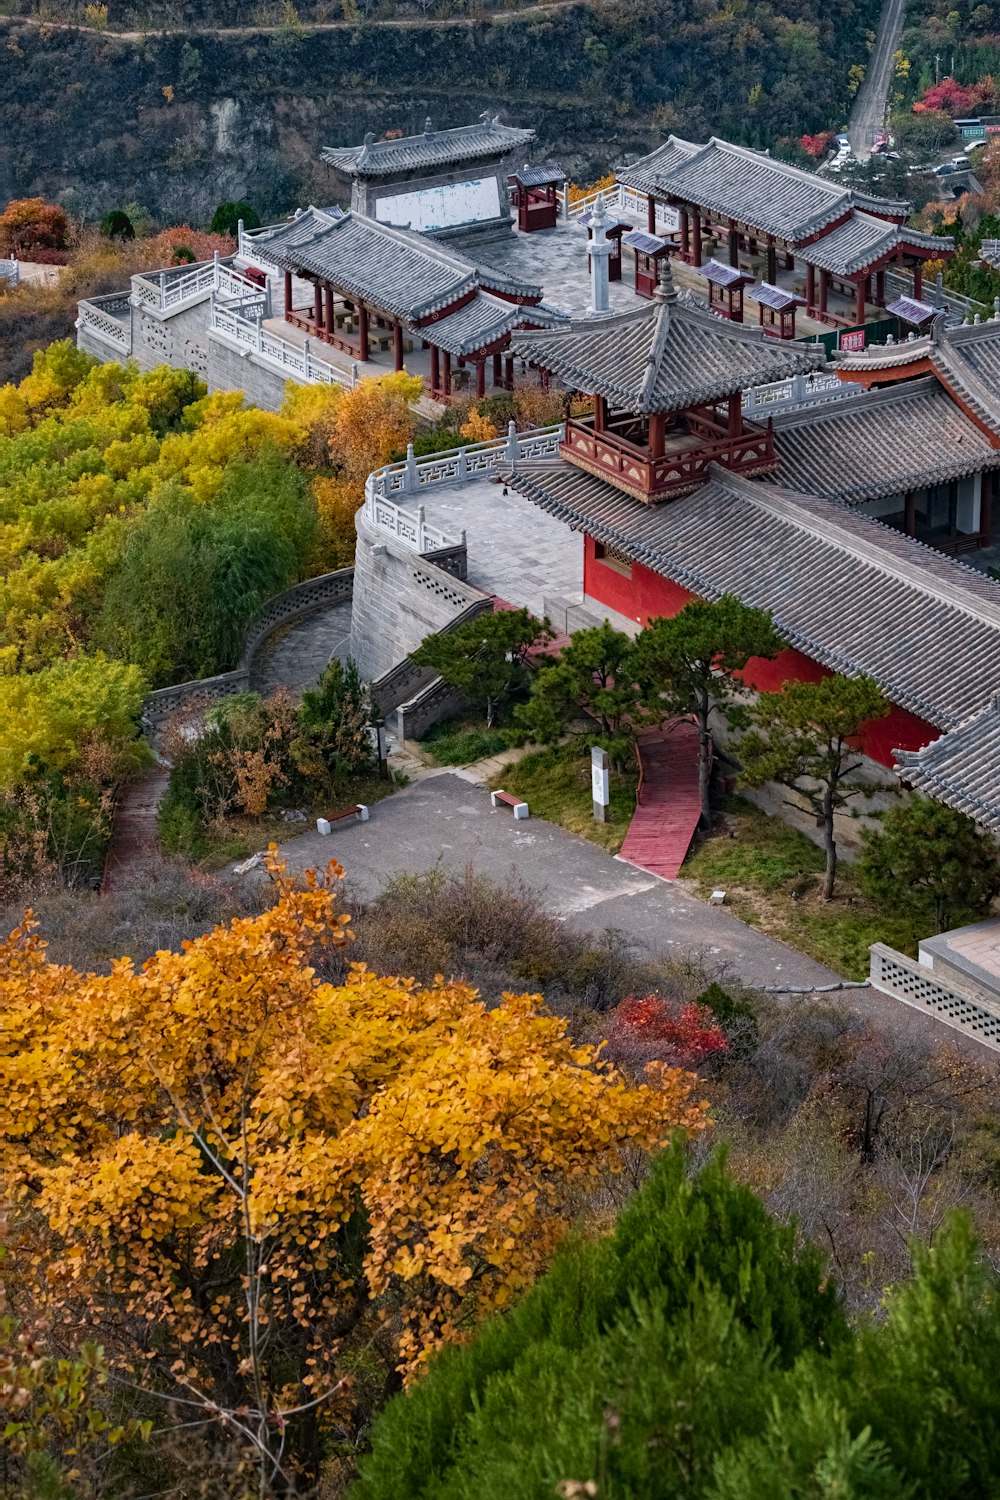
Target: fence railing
{"x": 167, "y": 291}
{"x": 10, "y": 273}
{"x": 798, "y": 390}
{"x": 626, "y": 200}
{"x": 900, "y": 284}
{"x": 411, "y": 475}
{"x": 97, "y": 316}
{"x": 295, "y": 362}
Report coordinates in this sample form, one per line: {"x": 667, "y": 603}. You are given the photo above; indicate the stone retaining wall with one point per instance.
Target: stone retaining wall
{"x": 302, "y": 599}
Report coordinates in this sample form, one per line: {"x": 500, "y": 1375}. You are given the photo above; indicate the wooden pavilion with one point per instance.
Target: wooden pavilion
{"x": 376, "y": 288}
{"x": 649, "y": 250}
{"x": 725, "y": 288}
{"x": 667, "y": 383}
{"x": 533, "y": 192}
{"x": 757, "y": 203}
{"x": 776, "y": 309}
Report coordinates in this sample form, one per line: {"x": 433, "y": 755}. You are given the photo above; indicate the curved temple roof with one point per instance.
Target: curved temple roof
{"x": 750, "y": 187}
{"x": 664, "y": 356}
{"x": 432, "y": 149}
{"x": 406, "y": 275}
{"x": 962, "y": 769}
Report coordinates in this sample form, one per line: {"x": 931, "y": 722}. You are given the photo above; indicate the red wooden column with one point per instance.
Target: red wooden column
{"x": 447, "y": 373}
{"x": 329, "y": 308}
{"x": 772, "y": 261}
{"x": 657, "y": 434}
{"x": 435, "y": 369}
{"x": 734, "y": 245}
{"x": 880, "y": 287}
{"x": 362, "y": 330}
{"x": 810, "y": 287}
{"x": 480, "y": 378}
{"x": 918, "y": 280}
{"x": 685, "y": 234}
{"x": 318, "y": 306}
{"x": 859, "y": 299}
{"x": 824, "y": 290}
{"x": 735, "y": 424}
{"x": 600, "y": 413}
{"x": 696, "y": 259}
{"x": 288, "y": 293}
{"x": 397, "y": 345}
{"x": 508, "y": 371}
{"x": 497, "y": 373}
{"x": 650, "y": 213}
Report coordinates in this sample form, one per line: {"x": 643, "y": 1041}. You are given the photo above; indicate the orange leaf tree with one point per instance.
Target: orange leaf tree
{"x": 239, "y": 1175}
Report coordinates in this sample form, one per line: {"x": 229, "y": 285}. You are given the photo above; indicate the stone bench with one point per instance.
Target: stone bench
{"x": 358, "y": 811}
{"x": 504, "y": 799}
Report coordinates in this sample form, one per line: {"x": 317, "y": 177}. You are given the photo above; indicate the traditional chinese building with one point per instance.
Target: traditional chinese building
{"x": 666, "y": 382}
{"x": 448, "y": 183}
{"x": 376, "y": 288}
{"x": 748, "y": 199}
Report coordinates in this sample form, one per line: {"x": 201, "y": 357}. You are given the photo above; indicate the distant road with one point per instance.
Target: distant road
{"x": 868, "y": 114}
{"x": 405, "y": 22}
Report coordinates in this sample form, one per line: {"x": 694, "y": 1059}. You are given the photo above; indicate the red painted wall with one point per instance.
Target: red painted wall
{"x": 647, "y": 595}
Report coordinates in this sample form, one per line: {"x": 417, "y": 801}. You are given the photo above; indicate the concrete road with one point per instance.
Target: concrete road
{"x": 449, "y": 819}
{"x": 868, "y": 114}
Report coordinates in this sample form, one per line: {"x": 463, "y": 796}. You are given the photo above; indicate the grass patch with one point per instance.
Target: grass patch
{"x": 238, "y": 838}
{"x": 459, "y": 742}
{"x": 772, "y": 875}
{"x": 556, "y": 785}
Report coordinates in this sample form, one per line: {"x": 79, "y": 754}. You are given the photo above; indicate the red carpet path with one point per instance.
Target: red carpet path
{"x": 668, "y": 810}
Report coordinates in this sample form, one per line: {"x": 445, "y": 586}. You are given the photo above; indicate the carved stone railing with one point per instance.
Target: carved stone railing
{"x": 97, "y": 316}
{"x": 10, "y": 274}
{"x": 798, "y": 390}
{"x": 908, "y": 980}
{"x": 626, "y": 200}
{"x": 170, "y": 290}
{"x": 295, "y": 363}
{"x": 453, "y": 466}
{"x": 327, "y": 590}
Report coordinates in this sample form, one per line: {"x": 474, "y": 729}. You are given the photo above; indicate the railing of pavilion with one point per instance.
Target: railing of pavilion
{"x": 10, "y": 274}
{"x": 169, "y": 290}
{"x": 295, "y": 362}
{"x": 108, "y": 319}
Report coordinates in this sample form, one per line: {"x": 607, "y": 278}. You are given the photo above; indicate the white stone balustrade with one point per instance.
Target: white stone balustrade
{"x": 10, "y": 274}
{"x": 798, "y": 390}
{"x": 249, "y": 334}
{"x": 168, "y": 291}
{"x": 98, "y": 317}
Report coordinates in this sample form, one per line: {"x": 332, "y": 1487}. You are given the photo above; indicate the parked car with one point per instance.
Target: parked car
{"x": 972, "y": 147}
{"x": 960, "y": 162}
{"x": 945, "y": 169}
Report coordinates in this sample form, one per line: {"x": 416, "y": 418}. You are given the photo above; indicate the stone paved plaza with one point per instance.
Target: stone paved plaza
{"x": 515, "y": 550}
{"x": 296, "y": 657}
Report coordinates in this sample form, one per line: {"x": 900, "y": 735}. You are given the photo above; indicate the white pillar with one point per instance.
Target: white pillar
{"x": 599, "y": 249}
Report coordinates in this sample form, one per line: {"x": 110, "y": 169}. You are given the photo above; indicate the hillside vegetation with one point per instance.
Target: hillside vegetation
{"x": 181, "y": 122}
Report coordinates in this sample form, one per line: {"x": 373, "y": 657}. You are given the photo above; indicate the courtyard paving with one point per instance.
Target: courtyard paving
{"x": 515, "y": 550}
{"x": 297, "y": 656}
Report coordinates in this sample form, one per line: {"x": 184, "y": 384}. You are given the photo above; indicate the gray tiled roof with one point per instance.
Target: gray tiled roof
{"x": 433, "y": 149}
{"x": 662, "y": 357}
{"x": 912, "y": 311}
{"x": 545, "y": 174}
{"x": 721, "y": 274}
{"x": 903, "y": 437}
{"x": 968, "y": 361}
{"x": 989, "y": 253}
{"x": 406, "y": 275}
{"x": 885, "y": 356}
{"x": 847, "y": 591}
{"x": 962, "y": 769}
{"x": 485, "y": 320}
{"x": 645, "y": 243}
{"x": 863, "y": 239}
{"x": 748, "y": 186}
{"x": 778, "y": 297}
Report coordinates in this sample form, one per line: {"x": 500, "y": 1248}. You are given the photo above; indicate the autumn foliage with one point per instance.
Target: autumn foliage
{"x": 682, "y": 1033}
{"x": 29, "y": 224}
{"x": 238, "y": 1175}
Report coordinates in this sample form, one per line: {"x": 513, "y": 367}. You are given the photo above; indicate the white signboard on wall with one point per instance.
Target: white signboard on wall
{"x": 444, "y": 207}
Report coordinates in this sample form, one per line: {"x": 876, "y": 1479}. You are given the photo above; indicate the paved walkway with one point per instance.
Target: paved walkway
{"x": 297, "y": 656}
{"x": 134, "y": 852}
{"x": 669, "y": 805}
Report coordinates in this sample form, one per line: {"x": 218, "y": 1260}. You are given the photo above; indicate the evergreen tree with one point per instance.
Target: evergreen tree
{"x": 592, "y": 678}
{"x": 688, "y": 664}
{"x": 806, "y": 739}
{"x": 485, "y": 658}
{"x": 931, "y": 860}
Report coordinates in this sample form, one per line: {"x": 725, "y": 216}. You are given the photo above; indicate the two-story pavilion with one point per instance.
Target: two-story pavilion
{"x": 666, "y": 381}
{"x": 376, "y": 287}
{"x": 448, "y": 183}
{"x": 842, "y": 237}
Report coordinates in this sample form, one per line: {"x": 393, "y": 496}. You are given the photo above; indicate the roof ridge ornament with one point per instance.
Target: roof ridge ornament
{"x": 666, "y": 291}
{"x": 428, "y": 126}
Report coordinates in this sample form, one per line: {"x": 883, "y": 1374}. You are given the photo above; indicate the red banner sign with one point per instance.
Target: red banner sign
{"x": 854, "y": 341}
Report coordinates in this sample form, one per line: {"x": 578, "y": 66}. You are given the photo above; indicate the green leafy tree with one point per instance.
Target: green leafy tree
{"x": 806, "y": 738}
{"x": 227, "y": 217}
{"x": 688, "y": 664}
{"x": 931, "y": 860}
{"x": 485, "y": 658}
{"x": 333, "y": 741}
{"x": 117, "y": 226}
{"x": 592, "y": 677}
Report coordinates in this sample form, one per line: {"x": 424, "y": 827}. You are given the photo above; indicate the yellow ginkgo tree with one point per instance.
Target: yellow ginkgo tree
{"x": 240, "y": 1177}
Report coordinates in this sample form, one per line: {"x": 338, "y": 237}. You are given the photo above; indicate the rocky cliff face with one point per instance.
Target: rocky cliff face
{"x": 182, "y": 121}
